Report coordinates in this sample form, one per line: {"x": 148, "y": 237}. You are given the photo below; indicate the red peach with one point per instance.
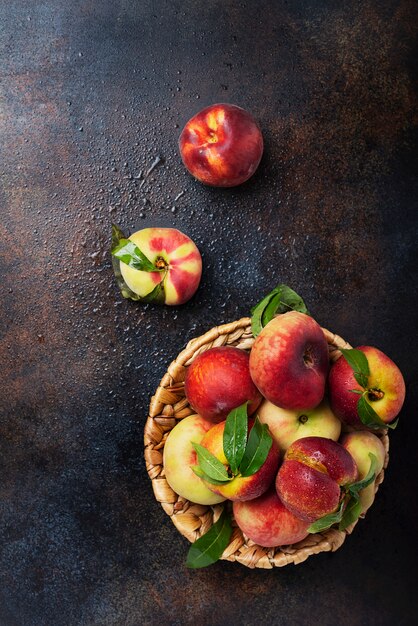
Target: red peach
{"x": 309, "y": 480}
{"x": 385, "y": 388}
{"x": 178, "y": 265}
{"x": 240, "y": 487}
{"x": 289, "y": 361}
{"x": 221, "y": 145}
{"x": 218, "y": 380}
{"x": 267, "y": 522}
{"x": 179, "y": 457}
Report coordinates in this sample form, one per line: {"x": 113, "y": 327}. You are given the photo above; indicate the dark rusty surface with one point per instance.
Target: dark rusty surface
{"x": 92, "y": 92}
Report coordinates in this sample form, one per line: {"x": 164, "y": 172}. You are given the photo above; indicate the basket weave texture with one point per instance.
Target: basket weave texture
{"x": 169, "y": 405}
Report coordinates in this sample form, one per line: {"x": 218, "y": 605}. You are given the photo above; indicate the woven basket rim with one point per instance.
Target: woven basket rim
{"x": 168, "y": 406}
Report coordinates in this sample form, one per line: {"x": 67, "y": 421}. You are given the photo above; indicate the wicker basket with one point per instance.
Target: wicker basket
{"x": 169, "y": 405}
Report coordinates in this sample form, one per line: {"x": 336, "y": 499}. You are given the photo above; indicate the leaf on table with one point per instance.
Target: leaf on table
{"x": 209, "y": 548}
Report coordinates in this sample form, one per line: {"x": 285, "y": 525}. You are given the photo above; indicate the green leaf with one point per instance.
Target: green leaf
{"x": 126, "y": 292}
{"x": 346, "y": 515}
{"x": 281, "y": 299}
{"x": 362, "y": 379}
{"x": 270, "y": 309}
{"x": 128, "y": 252}
{"x": 353, "y": 509}
{"x": 289, "y": 301}
{"x": 358, "y": 362}
{"x": 117, "y": 235}
{"x": 360, "y": 366}
{"x": 351, "y": 513}
{"x": 199, "y": 472}
{"x": 355, "y": 488}
{"x": 325, "y": 522}
{"x": 369, "y": 417}
{"x": 210, "y": 465}
{"x": 209, "y": 548}
{"x": 156, "y": 296}
{"x": 257, "y": 448}
{"x": 257, "y": 313}
{"x": 235, "y": 436}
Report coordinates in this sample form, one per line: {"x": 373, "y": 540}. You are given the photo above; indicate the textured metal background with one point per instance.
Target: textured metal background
{"x": 92, "y": 92}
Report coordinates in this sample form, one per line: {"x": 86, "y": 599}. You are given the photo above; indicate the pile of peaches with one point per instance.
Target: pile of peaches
{"x": 277, "y": 431}
{"x": 282, "y": 434}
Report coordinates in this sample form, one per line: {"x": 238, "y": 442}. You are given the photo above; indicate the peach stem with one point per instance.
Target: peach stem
{"x": 375, "y": 394}
{"x": 160, "y": 263}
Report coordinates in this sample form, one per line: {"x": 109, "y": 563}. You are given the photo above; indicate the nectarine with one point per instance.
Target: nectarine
{"x": 286, "y": 425}
{"x": 179, "y": 456}
{"x": 310, "y": 477}
{"x": 221, "y": 145}
{"x": 384, "y": 391}
{"x": 289, "y": 361}
{"x": 177, "y": 263}
{"x": 240, "y": 487}
{"x": 218, "y": 380}
{"x": 267, "y": 522}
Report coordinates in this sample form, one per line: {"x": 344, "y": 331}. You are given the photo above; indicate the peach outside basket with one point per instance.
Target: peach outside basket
{"x": 169, "y": 405}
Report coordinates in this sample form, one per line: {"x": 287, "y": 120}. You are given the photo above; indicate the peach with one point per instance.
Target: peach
{"x": 385, "y": 388}
{"x": 267, "y": 522}
{"x": 177, "y": 261}
{"x": 309, "y": 480}
{"x": 218, "y": 380}
{"x": 287, "y": 425}
{"x": 221, "y": 145}
{"x": 289, "y": 361}
{"x": 360, "y": 444}
{"x": 240, "y": 487}
{"x": 179, "y": 456}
